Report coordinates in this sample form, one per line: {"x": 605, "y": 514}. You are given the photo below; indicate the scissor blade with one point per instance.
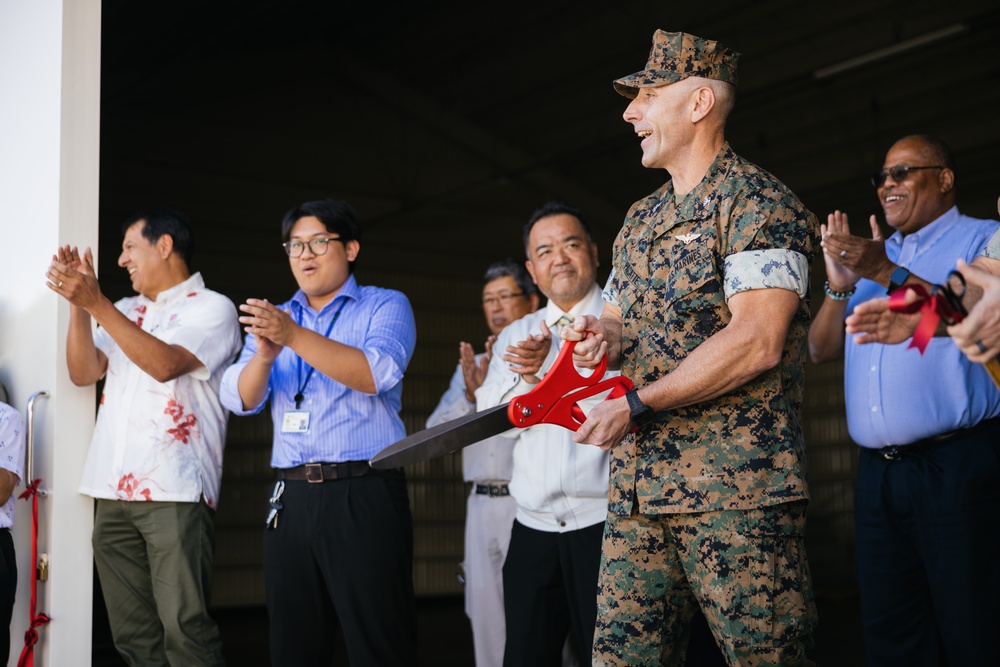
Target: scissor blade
{"x": 444, "y": 438}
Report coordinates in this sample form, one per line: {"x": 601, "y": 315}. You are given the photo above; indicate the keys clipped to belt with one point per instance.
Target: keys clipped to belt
{"x": 272, "y": 516}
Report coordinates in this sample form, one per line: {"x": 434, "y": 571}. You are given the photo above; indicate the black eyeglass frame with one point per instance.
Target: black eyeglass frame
{"x": 899, "y": 173}
{"x": 321, "y": 242}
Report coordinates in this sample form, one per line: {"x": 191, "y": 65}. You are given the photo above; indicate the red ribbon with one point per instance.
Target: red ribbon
{"x": 27, "y": 658}
{"x": 932, "y": 307}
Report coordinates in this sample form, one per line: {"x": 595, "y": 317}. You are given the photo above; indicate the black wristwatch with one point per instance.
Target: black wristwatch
{"x": 897, "y": 279}
{"x": 640, "y": 413}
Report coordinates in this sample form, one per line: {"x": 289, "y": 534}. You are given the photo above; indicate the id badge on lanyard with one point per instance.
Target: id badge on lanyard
{"x": 295, "y": 421}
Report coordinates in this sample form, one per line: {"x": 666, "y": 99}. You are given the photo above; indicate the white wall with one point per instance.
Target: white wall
{"x": 49, "y": 143}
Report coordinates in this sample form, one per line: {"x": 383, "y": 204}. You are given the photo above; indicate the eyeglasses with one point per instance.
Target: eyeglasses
{"x": 504, "y": 299}
{"x": 317, "y": 246}
{"x": 899, "y": 173}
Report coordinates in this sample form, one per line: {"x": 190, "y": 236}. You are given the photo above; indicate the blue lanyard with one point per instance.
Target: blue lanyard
{"x": 299, "y": 395}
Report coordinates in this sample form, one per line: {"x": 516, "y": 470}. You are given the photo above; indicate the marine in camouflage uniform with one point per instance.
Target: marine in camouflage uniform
{"x": 708, "y": 500}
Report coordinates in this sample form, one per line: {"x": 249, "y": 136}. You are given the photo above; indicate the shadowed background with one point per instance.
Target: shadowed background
{"x": 445, "y": 124}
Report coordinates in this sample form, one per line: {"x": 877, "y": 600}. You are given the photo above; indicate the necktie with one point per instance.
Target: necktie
{"x": 563, "y": 320}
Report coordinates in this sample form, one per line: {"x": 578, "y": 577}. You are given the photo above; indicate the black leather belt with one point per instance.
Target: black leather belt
{"x": 492, "y": 490}
{"x": 897, "y": 452}
{"x": 316, "y": 473}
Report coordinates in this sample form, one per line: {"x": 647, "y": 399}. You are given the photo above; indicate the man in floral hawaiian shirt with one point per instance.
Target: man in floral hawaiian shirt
{"x": 155, "y": 462}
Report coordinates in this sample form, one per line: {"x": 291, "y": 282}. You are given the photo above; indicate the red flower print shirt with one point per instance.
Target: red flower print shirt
{"x": 164, "y": 440}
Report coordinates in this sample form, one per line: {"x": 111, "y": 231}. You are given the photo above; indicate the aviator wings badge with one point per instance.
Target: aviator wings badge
{"x": 687, "y": 238}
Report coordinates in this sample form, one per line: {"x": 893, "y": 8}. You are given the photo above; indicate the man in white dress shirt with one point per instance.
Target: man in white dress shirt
{"x": 550, "y": 575}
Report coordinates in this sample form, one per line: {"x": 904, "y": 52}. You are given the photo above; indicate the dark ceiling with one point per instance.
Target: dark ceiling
{"x": 445, "y": 124}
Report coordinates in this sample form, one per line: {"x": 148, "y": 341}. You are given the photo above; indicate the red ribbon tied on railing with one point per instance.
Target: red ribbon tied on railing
{"x": 933, "y": 306}
{"x": 27, "y": 658}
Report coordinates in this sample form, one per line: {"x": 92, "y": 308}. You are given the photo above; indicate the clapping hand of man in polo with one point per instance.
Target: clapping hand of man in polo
{"x": 527, "y": 356}
{"x": 849, "y": 258}
{"x": 474, "y": 372}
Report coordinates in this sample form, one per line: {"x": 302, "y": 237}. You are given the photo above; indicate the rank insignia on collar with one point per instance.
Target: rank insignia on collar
{"x": 687, "y": 238}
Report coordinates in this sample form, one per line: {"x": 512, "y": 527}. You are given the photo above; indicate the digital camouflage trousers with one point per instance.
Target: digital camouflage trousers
{"x": 746, "y": 569}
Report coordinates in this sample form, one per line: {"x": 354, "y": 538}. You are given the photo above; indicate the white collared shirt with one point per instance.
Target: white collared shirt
{"x": 559, "y": 485}
{"x": 163, "y": 441}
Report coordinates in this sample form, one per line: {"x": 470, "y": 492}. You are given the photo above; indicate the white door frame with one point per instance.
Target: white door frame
{"x": 49, "y": 161}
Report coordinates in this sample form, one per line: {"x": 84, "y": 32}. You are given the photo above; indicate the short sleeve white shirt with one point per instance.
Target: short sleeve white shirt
{"x": 163, "y": 441}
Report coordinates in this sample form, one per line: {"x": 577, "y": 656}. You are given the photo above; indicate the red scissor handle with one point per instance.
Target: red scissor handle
{"x": 555, "y": 399}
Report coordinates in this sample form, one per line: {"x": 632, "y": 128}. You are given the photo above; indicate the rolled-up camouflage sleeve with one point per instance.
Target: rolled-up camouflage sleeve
{"x": 772, "y": 246}
{"x": 762, "y": 269}
{"x": 610, "y": 291}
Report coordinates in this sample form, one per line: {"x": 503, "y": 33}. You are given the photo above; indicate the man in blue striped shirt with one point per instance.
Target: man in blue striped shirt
{"x": 338, "y": 547}
{"x": 927, "y": 499}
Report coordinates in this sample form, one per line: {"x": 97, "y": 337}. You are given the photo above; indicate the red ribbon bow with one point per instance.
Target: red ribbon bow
{"x": 27, "y": 658}
{"x": 932, "y": 307}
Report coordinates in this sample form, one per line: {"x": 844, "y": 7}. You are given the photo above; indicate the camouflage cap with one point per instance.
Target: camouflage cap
{"x": 678, "y": 55}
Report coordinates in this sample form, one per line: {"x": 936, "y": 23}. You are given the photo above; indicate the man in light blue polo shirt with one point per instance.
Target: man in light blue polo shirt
{"x": 927, "y": 498}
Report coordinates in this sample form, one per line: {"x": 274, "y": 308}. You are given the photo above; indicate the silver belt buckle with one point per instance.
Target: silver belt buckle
{"x": 314, "y": 473}
{"x": 891, "y": 453}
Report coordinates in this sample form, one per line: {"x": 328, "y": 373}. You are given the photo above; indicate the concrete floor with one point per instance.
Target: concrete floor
{"x": 445, "y": 639}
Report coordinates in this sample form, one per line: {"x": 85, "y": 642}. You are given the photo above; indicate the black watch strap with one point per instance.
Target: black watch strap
{"x": 897, "y": 278}
{"x": 640, "y": 413}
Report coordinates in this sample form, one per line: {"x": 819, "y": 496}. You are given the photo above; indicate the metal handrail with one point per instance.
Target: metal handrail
{"x": 29, "y": 464}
